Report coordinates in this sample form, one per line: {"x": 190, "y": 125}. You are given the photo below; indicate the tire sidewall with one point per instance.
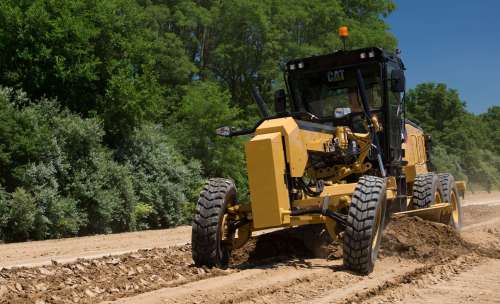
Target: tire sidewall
{"x": 457, "y": 226}
{"x": 382, "y": 203}
{"x": 452, "y": 186}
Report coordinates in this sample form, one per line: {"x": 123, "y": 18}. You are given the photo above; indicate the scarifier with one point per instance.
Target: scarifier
{"x": 339, "y": 152}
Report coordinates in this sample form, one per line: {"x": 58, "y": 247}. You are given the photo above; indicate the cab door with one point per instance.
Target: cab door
{"x": 394, "y": 115}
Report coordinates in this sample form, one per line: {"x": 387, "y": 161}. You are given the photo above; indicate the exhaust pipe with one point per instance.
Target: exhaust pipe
{"x": 263, "y": 109}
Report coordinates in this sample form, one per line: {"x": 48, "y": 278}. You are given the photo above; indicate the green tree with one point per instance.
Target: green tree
{"x": 434, "y": 105}
{"x": 491, "y": 120}
{"x": 461, "y": 144}
{"x": 204, "y": 109}
{"x": 109, "y": 125}
{"x": 246, "y": 43}
{"x": 106, "y": 57}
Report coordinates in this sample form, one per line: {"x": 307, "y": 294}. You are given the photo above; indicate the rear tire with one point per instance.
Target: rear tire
{"x": 450, "y": 195}
{"x": 427, "y": 191}
{"x": 365, "y": 222}
{"x": 208, "y": 228}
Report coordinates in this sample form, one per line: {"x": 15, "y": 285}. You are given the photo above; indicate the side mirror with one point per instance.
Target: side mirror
{"x": 398, "y": 81}
{"x": 224, "y": 131}
{"x": 280, "y": 101}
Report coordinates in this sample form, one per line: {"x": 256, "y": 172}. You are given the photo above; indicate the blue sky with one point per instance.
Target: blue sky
{"x": 455, "y": 42}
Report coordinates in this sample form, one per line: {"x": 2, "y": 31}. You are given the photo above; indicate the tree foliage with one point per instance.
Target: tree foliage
{"x": 108, "y": 108}
{"x": 107, "y": 57}
{"x": 491, "y": 120}
{"x": 245, "y": 43}
{"x": 464, "y": 144}
{"x": 61, "y": 180}
{"x": 124, "y": 59}
{"x": 204, "y": 108}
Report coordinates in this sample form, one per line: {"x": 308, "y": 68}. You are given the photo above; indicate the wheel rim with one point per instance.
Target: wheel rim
{"x": 455, "y": 215}
{"x": 224, "y": 227}
{"x": 437, "y": 198}
{"x": 378, "y": 232}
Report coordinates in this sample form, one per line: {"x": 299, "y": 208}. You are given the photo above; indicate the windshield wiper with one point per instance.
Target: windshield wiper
{"x": 308, "y": 115}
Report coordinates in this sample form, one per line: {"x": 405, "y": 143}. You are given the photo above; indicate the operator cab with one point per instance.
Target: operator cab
{"x": 325, "y": 87}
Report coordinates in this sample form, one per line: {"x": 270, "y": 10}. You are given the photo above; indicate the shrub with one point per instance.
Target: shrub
{"x": 103, "y": 189}
{"x": 59, "y": 160}
{"x": 141, "y": 214}
{"x": 18, "y": 216}
{"x": 163, "y": 178}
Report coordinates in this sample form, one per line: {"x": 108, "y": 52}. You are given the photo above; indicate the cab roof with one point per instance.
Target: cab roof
{"x": 342, "y": 58}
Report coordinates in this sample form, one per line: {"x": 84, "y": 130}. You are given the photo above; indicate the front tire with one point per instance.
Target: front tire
{"x": 365, "y": 220}
{"x": 210, "y": 224}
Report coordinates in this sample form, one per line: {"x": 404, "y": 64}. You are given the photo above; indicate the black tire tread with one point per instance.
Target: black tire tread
{"x": 424, "y": 188}
{"x": 210, "y": 208}
{"x": 447, "y": 183}
{"x": 360, "y": 224}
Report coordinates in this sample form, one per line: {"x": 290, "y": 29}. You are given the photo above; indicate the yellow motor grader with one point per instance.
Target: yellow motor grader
{"x": 338, "y": 152}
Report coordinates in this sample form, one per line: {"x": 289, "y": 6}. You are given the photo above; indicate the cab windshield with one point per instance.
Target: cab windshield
{"x": 334, "y": 92}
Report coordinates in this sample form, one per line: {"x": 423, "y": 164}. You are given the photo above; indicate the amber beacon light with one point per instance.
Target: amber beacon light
{"x": 343, "y": 32}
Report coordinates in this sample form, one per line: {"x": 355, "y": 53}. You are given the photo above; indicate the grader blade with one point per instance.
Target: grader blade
{"x": 436, "y": 213}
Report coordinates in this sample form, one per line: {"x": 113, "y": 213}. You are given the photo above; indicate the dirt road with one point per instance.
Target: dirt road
{"x": 68, "y": 250}
{"x": 420, "y": 262}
